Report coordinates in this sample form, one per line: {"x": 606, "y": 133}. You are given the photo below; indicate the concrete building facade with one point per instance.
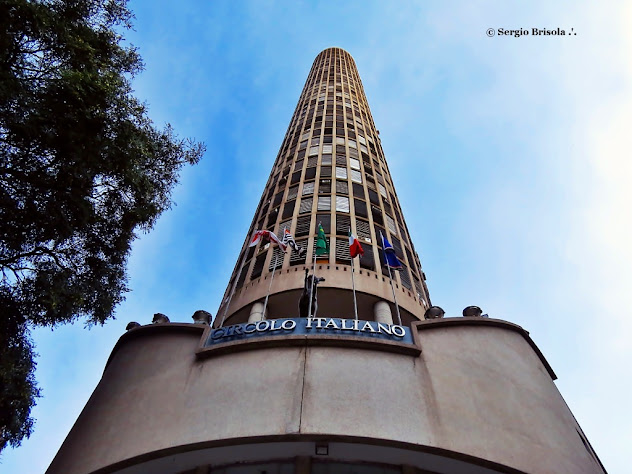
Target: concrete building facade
{"x": 270, "y": 392}
{"x": 330, "y": 170}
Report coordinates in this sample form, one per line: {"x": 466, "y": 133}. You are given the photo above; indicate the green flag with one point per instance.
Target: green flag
{"x": 322, "y": 246}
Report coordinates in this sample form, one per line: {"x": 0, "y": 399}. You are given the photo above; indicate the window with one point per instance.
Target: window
{"x": 288, "y": 209}
{"x": 324, "y": 203}
{"x": 363, "y": 230}
{"x": 342, "y": 187}
{"x": 342, "y": 251}
{"x": 308, "y": 188}
{"x": 306, "y": 205}
{"x": 356, "y": 177}
{"x": 404, "y": 277}
{"x": 343, "y": 224}
{"x": 277, "y": 259}
{"x": 327, "y": 148}
{"x": 358, "y": 191}
{"x": 366, "y": 260}
{"x": 325, "y": 171}
{"x": 313, "y": 150}
{"x": 242, "y": 275}
{"x": 292, "y": 192}
{"x": 418, "y": 289}
{"x": 355, "y": 164}
{"x": 342, "y": 204}
{"x": 377, "y": 214}
{"x": 341, "y": 172}
{"x": 387, "y": 207}
{"x": 295, "y": 257}
{"x": 397, "y": 246}
{"x": 302, "y": 226}
{"x": 382, "y": 188}
{"x": 391, "y": 224}
{"x": 258, "y": 266}
{"x": 341, "y": 160}
{"x": 360, "y": 208}
{"x": 296, "y": 177}
{"x": 326, "y": 159}
{"x": 312, "y": 161}
{"x": 370, "y": 183}
{"x": 325, "y": 221}
{"x": 277, "y": 199}
{"x": 310, "y": 173}
{"x": 325, "y": 186}
{"x": 373, "y": 197}
{"x": 249, "y": 255}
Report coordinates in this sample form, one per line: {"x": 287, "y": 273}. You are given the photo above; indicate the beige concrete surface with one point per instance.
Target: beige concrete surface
{"x": 480, "y": 391}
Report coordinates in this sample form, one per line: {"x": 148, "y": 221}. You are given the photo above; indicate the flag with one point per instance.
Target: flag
{"x": 389, "y": 254}
{"x": 265, "y": 236}
{"x": 355, "y": 248}
{"x": 276, "y": 240}
{"x": 289, "y": 241}
{"x": 322, "y": 246}
{"x": 257, "y": 237}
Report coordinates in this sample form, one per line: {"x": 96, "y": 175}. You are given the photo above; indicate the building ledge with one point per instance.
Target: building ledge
{"x": 485, "y": 322}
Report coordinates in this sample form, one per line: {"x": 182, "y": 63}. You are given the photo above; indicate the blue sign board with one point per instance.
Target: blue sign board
{"x": 310, "y": 326}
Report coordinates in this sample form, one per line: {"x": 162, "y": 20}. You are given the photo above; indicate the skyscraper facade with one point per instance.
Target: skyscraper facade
{"x": 330, "y": 171}
{"x": 265, "y": 391}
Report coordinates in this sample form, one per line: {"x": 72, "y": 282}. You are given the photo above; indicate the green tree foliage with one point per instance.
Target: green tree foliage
{"x": 82, "y": 169}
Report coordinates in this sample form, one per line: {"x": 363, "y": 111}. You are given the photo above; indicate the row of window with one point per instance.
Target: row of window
{"x": 342, "y": 227}
{"x": 341, "y": 188}
{"x": 340, "y": 251}
{"x": 311, "y": 149}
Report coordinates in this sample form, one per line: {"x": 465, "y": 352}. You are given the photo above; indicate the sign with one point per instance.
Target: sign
{"x": 310, "y": 326}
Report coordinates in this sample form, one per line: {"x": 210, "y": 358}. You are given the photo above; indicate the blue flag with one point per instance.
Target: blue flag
{"x": 389, "y": 254}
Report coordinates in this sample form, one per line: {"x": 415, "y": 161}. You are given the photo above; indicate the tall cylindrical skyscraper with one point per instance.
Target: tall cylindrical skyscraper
{"x": 331, "y": 171}
{"x": 330, "y": 394}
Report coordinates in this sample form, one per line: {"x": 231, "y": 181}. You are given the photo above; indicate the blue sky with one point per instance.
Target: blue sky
{"x": 510, "y": 157}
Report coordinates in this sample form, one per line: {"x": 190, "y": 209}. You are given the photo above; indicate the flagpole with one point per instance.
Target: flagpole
{"x": 355, "y": 304}
{"x": 232, "y": 291}
{"x": 390, "y": 275}
{"x": 265, "y": 303}
{"x": 311, "y": 287}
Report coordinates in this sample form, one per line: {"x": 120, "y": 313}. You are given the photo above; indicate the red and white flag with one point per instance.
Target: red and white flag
{"x": 278, "y": 241}
{"x": 258, "y": 236}
{"x": 266, "y": 236}
{"x": 355, "y": 248}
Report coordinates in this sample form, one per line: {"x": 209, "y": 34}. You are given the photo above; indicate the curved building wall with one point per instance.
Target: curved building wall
{"x": 478, "y": 398}
{"x": 331, "y": 170}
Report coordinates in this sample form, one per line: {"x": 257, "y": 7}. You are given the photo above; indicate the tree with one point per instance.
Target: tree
{"x": 82, "y": 170}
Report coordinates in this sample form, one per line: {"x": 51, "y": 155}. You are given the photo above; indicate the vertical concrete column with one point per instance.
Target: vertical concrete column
{"x": 382, "y": 312}
{"x": 256, "y": 312}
